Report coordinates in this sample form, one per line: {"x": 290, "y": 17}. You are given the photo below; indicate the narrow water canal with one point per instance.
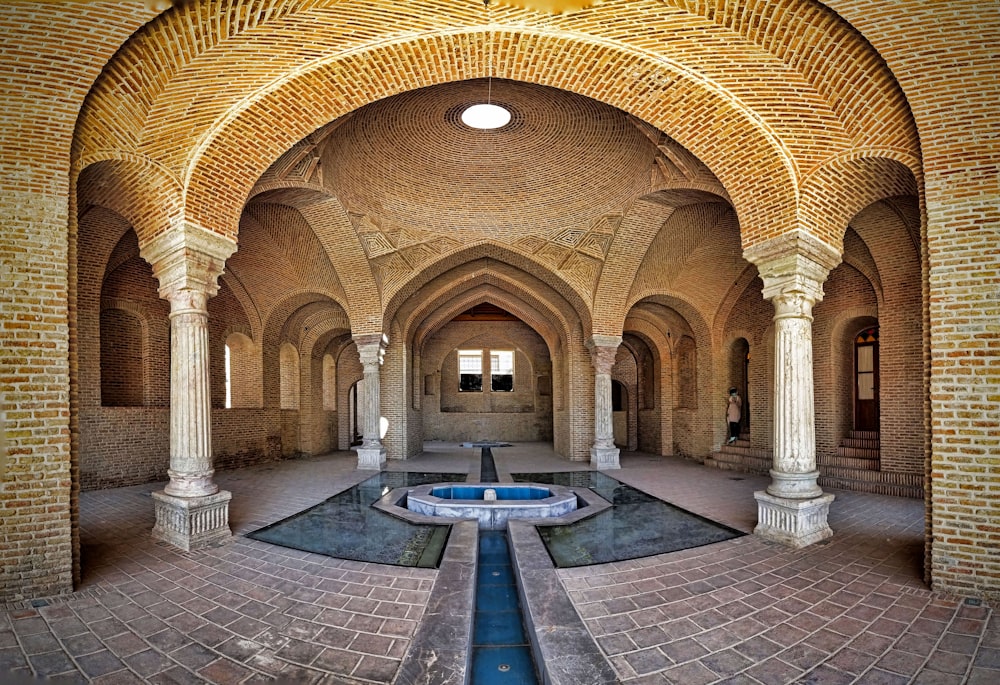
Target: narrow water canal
{"x": 501, "y": 653}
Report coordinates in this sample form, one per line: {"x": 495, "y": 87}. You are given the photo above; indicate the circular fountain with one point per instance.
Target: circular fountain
{"x": 470, "y": 500}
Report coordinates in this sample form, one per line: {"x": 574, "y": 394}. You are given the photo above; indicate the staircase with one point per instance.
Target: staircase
{"x": 855, "y": 466}
{"x": 740, "y": 456}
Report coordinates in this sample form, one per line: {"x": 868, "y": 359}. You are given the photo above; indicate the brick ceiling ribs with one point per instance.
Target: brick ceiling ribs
{"x": 347, "y": 114}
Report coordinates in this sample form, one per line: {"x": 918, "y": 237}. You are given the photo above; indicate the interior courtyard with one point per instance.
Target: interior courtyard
{"x": 255, "y": 253}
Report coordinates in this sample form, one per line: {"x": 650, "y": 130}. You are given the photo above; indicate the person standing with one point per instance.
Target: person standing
{"x": 733, "y": 412}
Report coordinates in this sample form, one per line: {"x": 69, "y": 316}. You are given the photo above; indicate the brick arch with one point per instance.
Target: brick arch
{"x": 467, "y": 263}
{"x": 699, "y": 431}
{"x": 801, "y": 34}
{"x": 640, "y": 226}
{"x": 733, "y": 296}
{"x": 512, "y": 282}
{"x": 693, "y": 107}
{"x": 300, "y": 323}
{"x": 836, "y": 191}
{"x": 337, "y": 237}
{"x": 137, "y": 188}
{"x": 138, "y": 386}
{"x": 747, "y": 127}
{"x": 296, "y": 307}
{"x": 250, "y": 310}
{"x": 538, "y": 319}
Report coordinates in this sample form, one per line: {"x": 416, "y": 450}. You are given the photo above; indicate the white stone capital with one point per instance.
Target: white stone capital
{"x": 793, "y": 267}
{"x": 371, "y": 350}
{"x": 188, "y": 259}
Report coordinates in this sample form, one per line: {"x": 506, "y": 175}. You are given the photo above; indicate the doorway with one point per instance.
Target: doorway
{"x": 866, "y": 380}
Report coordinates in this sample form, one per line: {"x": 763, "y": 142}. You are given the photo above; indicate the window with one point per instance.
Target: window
{"x": 502, "y": 370}
{"x": 289, "y": 376}
{"x": 229, "y": 379}
{"x": 329, "y": 383}
{"x": 242, "y": 380}
{"x": 470, "y": 370}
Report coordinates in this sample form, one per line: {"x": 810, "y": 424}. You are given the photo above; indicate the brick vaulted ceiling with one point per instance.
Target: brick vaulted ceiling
{"x": 356, "y": 102}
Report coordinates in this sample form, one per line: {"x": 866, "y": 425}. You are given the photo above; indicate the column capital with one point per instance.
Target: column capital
{"x": 794, "y": 264}
{"x": 188, "y": 259}
{"x": 603, "y": 351}
{"x": 371, "y": 348}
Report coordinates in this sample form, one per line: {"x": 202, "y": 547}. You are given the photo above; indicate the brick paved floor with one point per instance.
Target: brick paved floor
{"x": 852, "y": 609}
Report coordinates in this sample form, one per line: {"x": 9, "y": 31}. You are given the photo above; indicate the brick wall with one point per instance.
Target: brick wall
{"x": 524, "y": 415}
{"x": 892, "y": 78}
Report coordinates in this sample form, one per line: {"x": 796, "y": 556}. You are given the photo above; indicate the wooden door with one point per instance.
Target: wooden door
{"x": 866, "y": 385}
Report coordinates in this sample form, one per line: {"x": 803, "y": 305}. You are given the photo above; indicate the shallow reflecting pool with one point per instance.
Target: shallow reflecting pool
{"x": 638, "y": 525}
{"x": 346, "y": 526}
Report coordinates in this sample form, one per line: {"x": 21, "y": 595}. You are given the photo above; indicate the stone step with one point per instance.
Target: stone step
{"x": 745, "y": 460}
{"x": 857, "y": 443}
{"x": 863, "y": 464}
{"x": 874, "y": 482}
{"x": 858, "y": 452}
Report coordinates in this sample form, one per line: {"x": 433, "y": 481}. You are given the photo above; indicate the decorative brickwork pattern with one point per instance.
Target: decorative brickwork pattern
{"x": 652, "y": 143}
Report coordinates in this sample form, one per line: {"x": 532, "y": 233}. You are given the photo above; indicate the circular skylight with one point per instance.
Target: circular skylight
{"x": 485, "y": 116}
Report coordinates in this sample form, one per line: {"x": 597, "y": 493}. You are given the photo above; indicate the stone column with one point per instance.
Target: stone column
{"x": 191, "y": 511}
{"x": 371, "y": 452}
{"x": 793, "y": 510}
{"x": 603, "y": 349}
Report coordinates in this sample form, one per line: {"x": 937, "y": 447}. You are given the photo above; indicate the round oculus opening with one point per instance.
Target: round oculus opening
{"x": 485, "y": 116}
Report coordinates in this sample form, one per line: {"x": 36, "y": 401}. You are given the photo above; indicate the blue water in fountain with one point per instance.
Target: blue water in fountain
{"x": 501, "y": 654}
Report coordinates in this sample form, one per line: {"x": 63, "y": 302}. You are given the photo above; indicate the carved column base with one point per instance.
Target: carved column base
{"x": 794, "y": 485}
{"x": 371, "y": 458}
{"x": 604, "y": 458}
{"x": 792, "y": 522}
{"x": 192, "y": 522}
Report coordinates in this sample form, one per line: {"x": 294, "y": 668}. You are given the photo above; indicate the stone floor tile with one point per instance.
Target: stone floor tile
{"x": 376, "y": 669}
{"x": 727, "y": 662}
{"x": 224, "y": 672}
{"x": 647, "y": 661}
{"x": 694, "y": 673}
{"x": 52, "y": 663}
{"x": 949, "y": 662}
{"x": 901, "y": 662}
{"x": 879, "y": 677}
{"x": 176, "y": 676}
{"x": 983, "y": 676}
{"x": 774, "y": 670}
{"x": 118, "y": 678}
{"x": 825, "y": 674}
{"x": 148, "y": 662}
{"x": 684, "y": 650}
{"x": 99, "y": 663}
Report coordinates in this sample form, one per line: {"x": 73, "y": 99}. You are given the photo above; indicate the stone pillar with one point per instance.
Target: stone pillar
{"x": 603, "y": 349}
{"x": 793, "y": 510}
{"x": 371, "y": 452}
{"x": 191, "y": 511}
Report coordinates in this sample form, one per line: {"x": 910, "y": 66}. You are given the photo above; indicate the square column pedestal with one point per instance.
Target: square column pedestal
{"x": 370, "y": 458}
{"x": 792, "y": 522}
{"x": 604, "y": 458}
{"x": 192, "y": 522}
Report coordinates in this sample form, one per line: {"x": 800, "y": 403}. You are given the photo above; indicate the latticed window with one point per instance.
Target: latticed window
{"x": 502, "y": 370}
{"x": 470, "y": 370}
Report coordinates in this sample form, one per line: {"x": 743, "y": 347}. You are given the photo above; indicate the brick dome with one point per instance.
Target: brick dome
{"x": 527, "y": 177}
